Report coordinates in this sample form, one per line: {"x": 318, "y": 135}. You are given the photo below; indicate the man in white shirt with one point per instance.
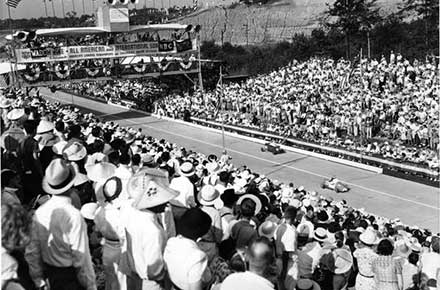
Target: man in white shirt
{"x": 145, "y": 238}
{"x": 260, "y": 259}
{"x": 108, "y": 223}
{"x": 184, "y": 186}
{"x": 59, "y": 248}
{"x": 187, "y": 264}
{"x": 286, "y": 244}
{"x": 430, "y": 262}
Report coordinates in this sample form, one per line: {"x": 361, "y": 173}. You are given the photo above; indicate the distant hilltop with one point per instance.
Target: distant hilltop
{"x": 257, "y": 24}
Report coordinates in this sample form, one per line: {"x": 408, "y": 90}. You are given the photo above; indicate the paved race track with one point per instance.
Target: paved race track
{"x": 413, "y": 203}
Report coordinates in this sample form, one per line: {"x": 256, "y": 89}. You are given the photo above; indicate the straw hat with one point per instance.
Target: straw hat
{"x": 212, "y": 167}
{"x": 208, "y": 196}
{"x": 343, "y": 260}
{"x": 5, "y": 103}
{"x": 100, "y": 172}
{"x": 59, "y": 177}
{"x": 88, "y": 210}
{"x": 149, "y": 187}
{"x": 15, "y": 114}
{"x": 258, "y": 204}
{"x": 45, "y": 126}
{"x": 187, "y": 169}
{"x": 267, "y": 229}
{"x": 75, "y": 151}
{"x": 369, "y": 237}
{"x": 320, "y": 234}
{"x": 112, "y": 188}
{"x": 59, "y": 147}
{"x": 402, "y": 249}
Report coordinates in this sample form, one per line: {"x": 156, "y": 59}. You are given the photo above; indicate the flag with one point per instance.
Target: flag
{"x": 12, "y": 3}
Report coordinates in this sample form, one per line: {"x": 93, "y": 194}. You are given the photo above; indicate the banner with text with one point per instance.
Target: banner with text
{"x": 94, "y": 51}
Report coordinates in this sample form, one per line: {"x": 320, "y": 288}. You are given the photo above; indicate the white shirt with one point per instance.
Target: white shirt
{"x": 144, "y": 243}
{"x": 108, "y": 222}
{"x": 186, "y": 263}
{"x": 124, "y": 173}
{"x": 430, "y": 264}
{"x": 285, "y": 238}
{"x": 186, "y": 192}
{"x": 59, "y": 238}
{"x": 246, "y": 281}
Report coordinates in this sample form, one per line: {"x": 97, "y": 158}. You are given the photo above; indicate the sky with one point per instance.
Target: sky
{"x": 36, "y": 8}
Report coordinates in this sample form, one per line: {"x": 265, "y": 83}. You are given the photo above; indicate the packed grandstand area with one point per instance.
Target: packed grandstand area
{"x": 120, "y": 171}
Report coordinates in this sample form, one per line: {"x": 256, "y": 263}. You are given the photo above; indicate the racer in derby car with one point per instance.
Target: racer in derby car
{"x": 335, "y": 184}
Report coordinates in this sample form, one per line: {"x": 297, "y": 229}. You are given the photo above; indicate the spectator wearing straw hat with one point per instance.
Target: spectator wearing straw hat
{"x": 145, "y": 239}
{"x": 185, "y": 187}
{"x": 310, "y": 254}
{"x": 365, "y": 255}
{"x": 187, "y": 264}
{"x": 108, "y": 223}
{"x": 46, "y": 139}
{"x": 209, "y": 199}
{"x": 58, "y": 252}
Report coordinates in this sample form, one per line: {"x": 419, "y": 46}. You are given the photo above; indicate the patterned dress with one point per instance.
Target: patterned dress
{"x": 386, "y": 270}
{"x": 365, "y": 278}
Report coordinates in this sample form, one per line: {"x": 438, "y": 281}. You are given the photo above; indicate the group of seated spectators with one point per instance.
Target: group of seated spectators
{"x": 387, "y": 108}
{"x": 143, "y": 93}
{"x": 89, "y": 204}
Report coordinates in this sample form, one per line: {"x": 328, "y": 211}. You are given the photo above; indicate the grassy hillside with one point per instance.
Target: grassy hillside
{"x": 273, "y": 22}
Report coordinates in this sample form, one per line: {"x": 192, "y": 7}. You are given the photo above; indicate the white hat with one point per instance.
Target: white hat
{"x": 210, "y": 196}
{"x": 267, "y": 229}
{"x": 59, "y": 177}
{"x": 15, "y": 114}
{"x": 295, "y": 203}
{"x": 59, "y": 147}
{"x": 258, "y": 204}
{"x": 5, "y": 103}
{"x": 369, "y": 237}
{"x": 45, "y": 126}
{"x": 100, "y": 172}
{"x": 212, "y": 167}
{"x": 187, "y": 169}
{"x": 75, "y": 151}
{"x": 343, "y": 260}
{"x": 320, "y": 234}
{"x": 88, "y": 210}
{"x": 150, "y": 188}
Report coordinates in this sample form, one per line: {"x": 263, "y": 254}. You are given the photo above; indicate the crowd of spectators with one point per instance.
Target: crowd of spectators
{"x": 388, "y": 108}
{"x": 54, "y": 42}
{"x": 86, "y": 201}
{"x": 142, "y": 93}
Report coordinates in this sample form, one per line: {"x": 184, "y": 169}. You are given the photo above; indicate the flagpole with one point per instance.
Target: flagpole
{"x": 53, "y": 8}
{"x": 62, "y": 6}
{"x": 220, "y": 105}
{"x": 45, "y": 8}
{"x": 12, "y": 73}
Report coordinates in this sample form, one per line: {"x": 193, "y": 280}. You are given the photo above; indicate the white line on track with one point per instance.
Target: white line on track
{"x": 277, "y": 163}
{"x": 288, "y": 166}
